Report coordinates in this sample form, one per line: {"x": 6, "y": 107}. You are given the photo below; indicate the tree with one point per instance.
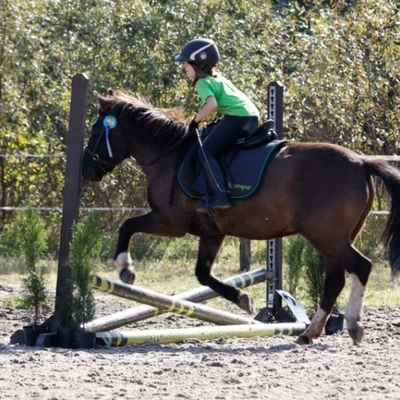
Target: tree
{"x": 341, "y": 79}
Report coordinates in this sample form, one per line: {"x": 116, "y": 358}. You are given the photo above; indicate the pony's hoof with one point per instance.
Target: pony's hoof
{"x": 303, "y": 339}
{"x": 356, "y": 333}
{"x": 127, "y": 276}
{"x": 246, "y": 303}
{"x": 123, "y": 261}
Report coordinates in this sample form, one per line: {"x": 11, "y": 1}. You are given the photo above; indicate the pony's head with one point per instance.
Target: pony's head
{"x": 106, "y": 147}
{"x": 121, "y": 120}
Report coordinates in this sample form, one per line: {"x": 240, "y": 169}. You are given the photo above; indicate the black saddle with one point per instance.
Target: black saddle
{"x": 243, "y": 164}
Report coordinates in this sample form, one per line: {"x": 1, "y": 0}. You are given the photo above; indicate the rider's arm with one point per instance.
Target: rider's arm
{"x": 209, "y": 107}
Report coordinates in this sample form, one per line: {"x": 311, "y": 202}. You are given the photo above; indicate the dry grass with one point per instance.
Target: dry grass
{"x": 171, "y": 277}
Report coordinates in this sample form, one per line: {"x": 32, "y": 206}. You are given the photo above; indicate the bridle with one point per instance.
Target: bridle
{"x": 101, "y": 163}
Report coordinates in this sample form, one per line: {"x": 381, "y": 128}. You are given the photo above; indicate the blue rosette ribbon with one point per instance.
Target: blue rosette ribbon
{"x": 109, "y": 122}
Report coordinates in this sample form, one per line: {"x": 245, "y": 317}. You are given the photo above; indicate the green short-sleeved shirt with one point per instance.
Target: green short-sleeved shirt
{"x": 230, "y": 100}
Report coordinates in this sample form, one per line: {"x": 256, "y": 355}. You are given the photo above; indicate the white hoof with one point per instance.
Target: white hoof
{"x": 123, "y": 261}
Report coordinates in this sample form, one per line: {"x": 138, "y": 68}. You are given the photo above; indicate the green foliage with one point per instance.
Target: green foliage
{"x": 66, "y": 310}
{"x": 34, "y": 294}
{"x": 293, "y": 255}
{"x": 314, "y": 274}
{"x": 341, "y": 79}
{"x": 9, "y": 243}
{"x": 32, "y": 238}
{"x": 369, "y": 241}
{"x": 10, "y": 238}
{"x": 13, "y": 302}
{"x": 32, "y": 242}
{"x": 85, "y": 246}
{"x": 304, "y": 263}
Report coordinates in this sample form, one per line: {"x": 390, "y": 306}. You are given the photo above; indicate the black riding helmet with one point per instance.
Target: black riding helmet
{"x": 200, "y": 52}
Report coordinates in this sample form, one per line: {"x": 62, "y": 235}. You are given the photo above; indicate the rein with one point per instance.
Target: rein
{"x": 164, "y": 153}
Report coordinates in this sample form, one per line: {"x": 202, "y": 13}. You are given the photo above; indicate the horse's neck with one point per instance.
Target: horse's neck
{"x": 161, "y": 172}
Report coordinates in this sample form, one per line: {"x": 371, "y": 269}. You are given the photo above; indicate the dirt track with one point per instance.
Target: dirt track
{"x": 259, "y": 368}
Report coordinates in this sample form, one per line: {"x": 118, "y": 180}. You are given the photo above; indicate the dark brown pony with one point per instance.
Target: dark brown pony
{"x": 321, "y": 191}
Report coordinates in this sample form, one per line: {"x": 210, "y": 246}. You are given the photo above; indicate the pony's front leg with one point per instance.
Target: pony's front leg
{"x": 208, "y": 249}
{"x": 148, "y": 223}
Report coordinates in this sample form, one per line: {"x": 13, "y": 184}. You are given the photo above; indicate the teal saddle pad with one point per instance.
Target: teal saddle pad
{"x": 243, "y": 169}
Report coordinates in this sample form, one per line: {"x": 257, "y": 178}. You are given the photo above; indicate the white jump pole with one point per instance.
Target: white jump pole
{"x": 168, "y": 303}
{"x": 136, "y": 314}
{"x": 124, "y": 338}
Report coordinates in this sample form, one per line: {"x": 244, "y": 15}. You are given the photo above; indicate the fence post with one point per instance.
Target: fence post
{"x": 71, "y": 192}
{"x": 245, "y": 255}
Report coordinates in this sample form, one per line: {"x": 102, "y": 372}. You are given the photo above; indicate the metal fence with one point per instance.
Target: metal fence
{"x": 59, "y": 208}
{"x": 393, "y": 158}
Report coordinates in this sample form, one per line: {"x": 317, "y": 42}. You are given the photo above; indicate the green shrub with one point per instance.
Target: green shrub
{"x": 314, "y": 273}
{"x": 85, "y": 246}
{"x": 32, "y": 242}
{"x": 369, "y": 241}
{"x": 34, "y": 295}
{"x": 294, "y": 259}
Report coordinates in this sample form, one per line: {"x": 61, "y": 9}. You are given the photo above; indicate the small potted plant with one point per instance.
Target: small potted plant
{"x": 32, "y": 242}
{"x": 85, "y": 246}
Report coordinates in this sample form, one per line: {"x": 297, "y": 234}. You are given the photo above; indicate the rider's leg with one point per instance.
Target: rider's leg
{"x": 222, "y": 135}
{"x": 216, "y": 181}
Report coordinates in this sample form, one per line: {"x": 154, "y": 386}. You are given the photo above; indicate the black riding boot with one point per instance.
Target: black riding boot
{"x": 216, "y": 180}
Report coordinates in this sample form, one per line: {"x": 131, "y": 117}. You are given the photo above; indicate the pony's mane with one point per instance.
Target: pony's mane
{"x": 165, "y": 126}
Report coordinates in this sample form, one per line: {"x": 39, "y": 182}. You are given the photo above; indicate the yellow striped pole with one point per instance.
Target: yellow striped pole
{"x": 168, "y": 303}
{"x": 124, "y": 338}
{"x": 197, "y": 295}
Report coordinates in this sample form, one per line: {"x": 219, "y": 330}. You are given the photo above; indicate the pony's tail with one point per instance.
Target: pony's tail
{"x": 391, "y": 234}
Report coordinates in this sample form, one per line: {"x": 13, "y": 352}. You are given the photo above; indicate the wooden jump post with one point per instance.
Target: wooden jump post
{"x": 198, "y": 295}
{"x": 71, "y": 192}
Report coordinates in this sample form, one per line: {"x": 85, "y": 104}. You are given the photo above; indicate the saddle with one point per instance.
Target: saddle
{"x": 243, "y": 163}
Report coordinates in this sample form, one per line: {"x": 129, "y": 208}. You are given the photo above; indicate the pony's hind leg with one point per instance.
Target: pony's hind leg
{"x": 359, "y": 267}
{"x": 208, "y": 249}
{"x": 359, "y": 274}
{"x": 334, "y": 283}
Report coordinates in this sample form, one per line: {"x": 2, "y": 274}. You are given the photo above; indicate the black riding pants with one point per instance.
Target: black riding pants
{"x": 225, "y": 133}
